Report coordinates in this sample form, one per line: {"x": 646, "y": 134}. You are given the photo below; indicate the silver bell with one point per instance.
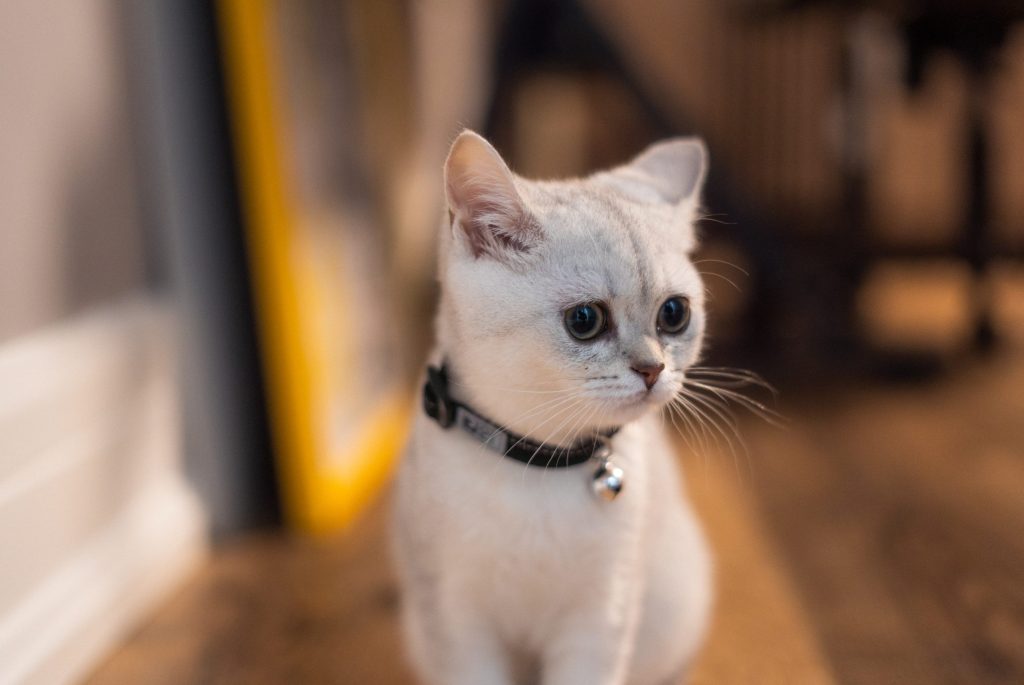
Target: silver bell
{"x": 607, "y": 480}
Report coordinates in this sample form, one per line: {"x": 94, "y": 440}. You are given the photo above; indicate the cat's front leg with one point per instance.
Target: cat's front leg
{"x": 477, "y": 661}
{"x": 587, "y": 658}
{"x": 594, "y": 648}
{"x": 474, "y": 662}
{"x": 460, "y": 653}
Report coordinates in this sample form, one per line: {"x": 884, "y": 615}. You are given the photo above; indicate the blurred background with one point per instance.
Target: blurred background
{"x": 217, "y": 230}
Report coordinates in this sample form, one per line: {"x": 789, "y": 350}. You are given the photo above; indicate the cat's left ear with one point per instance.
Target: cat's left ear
{"x": 674, "y": 169}
{"x": 484, "y": 202}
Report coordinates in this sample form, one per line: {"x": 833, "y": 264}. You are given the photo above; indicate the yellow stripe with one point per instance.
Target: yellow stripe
{"x": 319, "y": 494}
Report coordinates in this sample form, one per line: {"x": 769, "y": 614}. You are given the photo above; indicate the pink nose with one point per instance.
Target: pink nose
{"x": 649, "y": 372}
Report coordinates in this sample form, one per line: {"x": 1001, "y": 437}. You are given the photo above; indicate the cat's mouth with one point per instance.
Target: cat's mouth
{"x": 625, "y": 404}
{"x": 639, "y": 400}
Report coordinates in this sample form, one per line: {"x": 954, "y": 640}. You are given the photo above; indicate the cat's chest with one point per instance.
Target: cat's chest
{"x": 532, "y": 544}
{"x": 505, "y": 511}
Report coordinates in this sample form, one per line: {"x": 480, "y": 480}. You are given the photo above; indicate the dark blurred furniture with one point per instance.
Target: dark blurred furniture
{"x": 974, "y": 33}
{"x": 810, "y": 279}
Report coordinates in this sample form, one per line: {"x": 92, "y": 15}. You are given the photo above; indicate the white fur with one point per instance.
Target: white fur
{"x": 516, "y": 574}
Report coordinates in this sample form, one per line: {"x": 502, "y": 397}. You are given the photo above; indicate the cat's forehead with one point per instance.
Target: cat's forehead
{"x": 589, "y": 209}
{"x": 608, "y": 244}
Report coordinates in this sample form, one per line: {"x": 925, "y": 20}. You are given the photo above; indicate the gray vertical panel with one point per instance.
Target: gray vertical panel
{"x": 195, "y": 200}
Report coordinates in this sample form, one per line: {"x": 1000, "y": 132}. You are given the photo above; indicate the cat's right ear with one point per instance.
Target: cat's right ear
{"x": 484, "y": 203}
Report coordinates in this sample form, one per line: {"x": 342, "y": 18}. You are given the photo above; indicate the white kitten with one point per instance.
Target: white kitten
{"x": 568, "y": 309}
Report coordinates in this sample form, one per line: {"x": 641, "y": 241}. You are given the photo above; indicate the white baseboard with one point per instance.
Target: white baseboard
{"x": 78, "y": 613}
{"x": 97, "y": 523}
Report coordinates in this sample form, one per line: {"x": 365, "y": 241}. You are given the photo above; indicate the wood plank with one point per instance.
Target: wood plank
{"x": 901, "y": 511}
{"x": 760, "y": 632}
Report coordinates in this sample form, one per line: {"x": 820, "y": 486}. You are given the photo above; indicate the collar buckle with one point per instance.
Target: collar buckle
{"x": 436, "y": 402}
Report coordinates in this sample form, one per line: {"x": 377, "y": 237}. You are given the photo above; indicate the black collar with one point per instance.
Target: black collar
{"x": 448, "y": 412}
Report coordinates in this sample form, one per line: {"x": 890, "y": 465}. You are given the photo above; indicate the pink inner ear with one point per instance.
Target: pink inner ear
{"x": 483, "y": 196}
{"x": 491, "y": 231}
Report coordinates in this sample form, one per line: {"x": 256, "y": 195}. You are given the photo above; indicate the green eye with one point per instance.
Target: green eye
{"x": 585, "y": 321}
{"x": 674, "y": 315}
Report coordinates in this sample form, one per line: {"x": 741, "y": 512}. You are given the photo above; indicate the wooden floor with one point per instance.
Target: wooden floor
{"x": 880, "y": 539}
{"x": 900, "y": 512}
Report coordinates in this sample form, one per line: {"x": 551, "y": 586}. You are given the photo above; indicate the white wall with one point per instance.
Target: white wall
{"x": 70, "y": 232}
{"x": 97, "y": 522}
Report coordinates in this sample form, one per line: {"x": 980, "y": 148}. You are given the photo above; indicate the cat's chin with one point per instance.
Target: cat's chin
{"x": 629, "y": 409}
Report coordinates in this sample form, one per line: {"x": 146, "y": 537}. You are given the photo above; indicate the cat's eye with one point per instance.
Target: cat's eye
{"x": 586, "y": 321}
{"x": 674, "y": 315}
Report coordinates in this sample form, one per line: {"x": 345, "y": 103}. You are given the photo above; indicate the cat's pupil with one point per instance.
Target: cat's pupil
{"x": 674, "y": 316}
{"x": 585, "y": 321}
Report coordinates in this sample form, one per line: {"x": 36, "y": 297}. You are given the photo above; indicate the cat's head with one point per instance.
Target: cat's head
{"x": 569, "y": 305}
